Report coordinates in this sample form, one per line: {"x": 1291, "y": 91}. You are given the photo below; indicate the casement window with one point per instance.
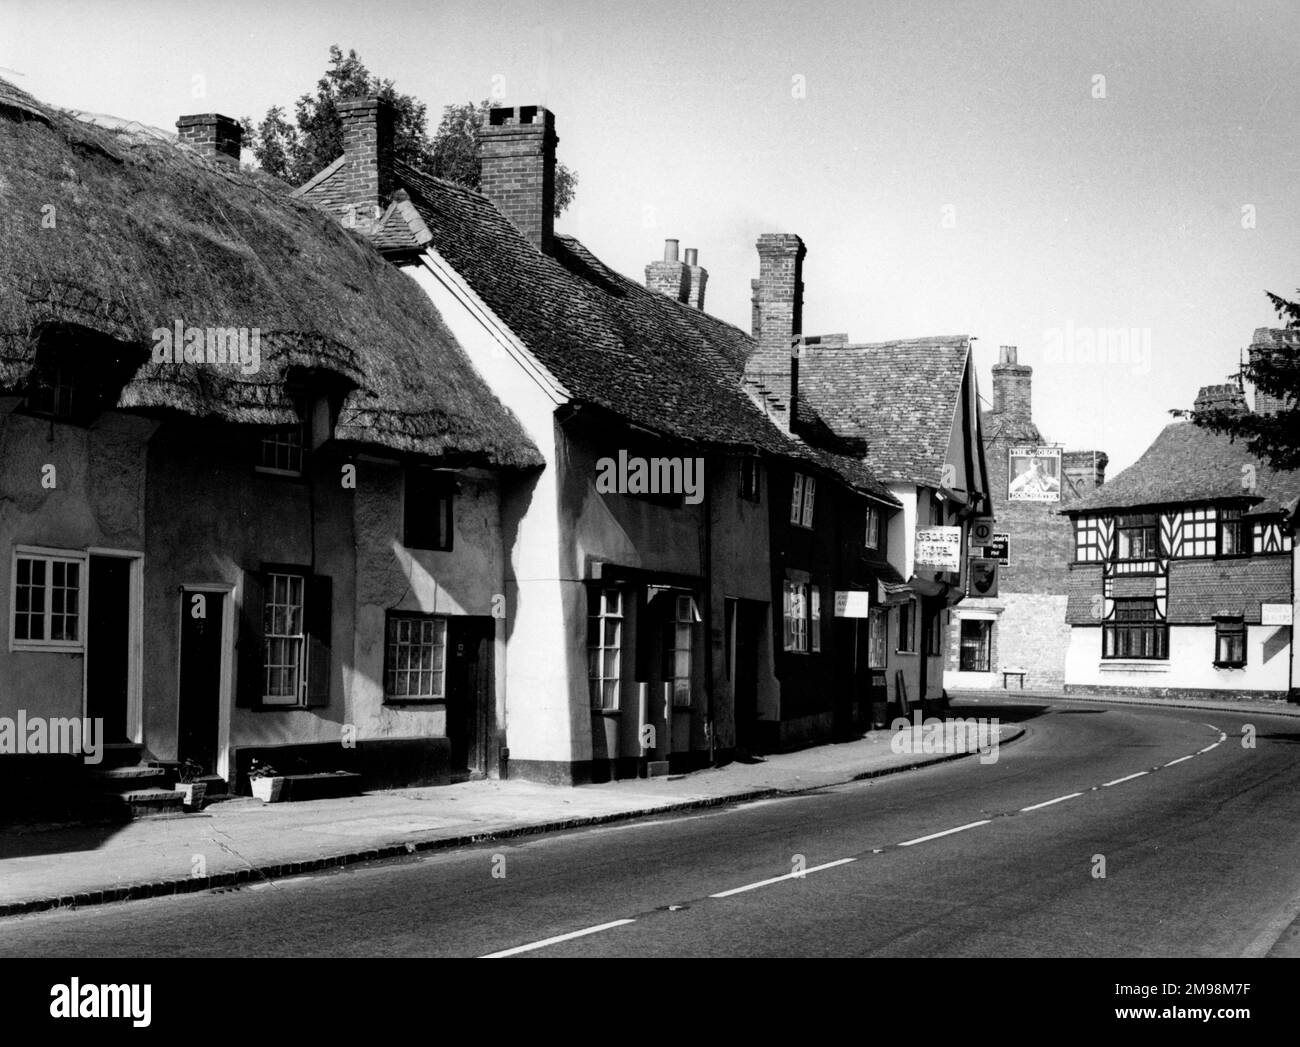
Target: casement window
{"x": 803, "y": 494}
{"x": 1229, "y": 642}
{"x": 976, "y": 646}
{"x": 681, "y": 632}
{"x": 428, "y": 510}
{"x": 1230, "y": 533}
{"x": 286, "y": 638}
{"x": 795, "y": 615}
{"x": 1136, "y": 631}
{"x": 1138, "y": 537}
{"x": 1087, "y": 539}
{"x": 815, "y": 618}
{"x": 750, "y": 478}
{"x": 907, "y": 626}
{"x": 1200, "y": 530}
{"x": 871, "y": 534}
{"x": 281, "y": 451}
{"x": 877, "y": 637}
{"x": 604, "y": 647}
{"x": 415, "y": 658}
{"x": 47, "y": 601}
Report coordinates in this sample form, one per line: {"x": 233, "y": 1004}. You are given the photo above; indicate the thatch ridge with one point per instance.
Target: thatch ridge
{"x": 121, "y": 234}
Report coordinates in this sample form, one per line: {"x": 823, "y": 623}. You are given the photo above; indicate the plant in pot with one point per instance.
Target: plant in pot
{"x": 190, "y": 785}
{"x": 266, "y": 782}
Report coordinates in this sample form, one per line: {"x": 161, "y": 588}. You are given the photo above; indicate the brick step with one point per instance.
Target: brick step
{"x": 152, "y": 803}
{"x": 126, "y": 779}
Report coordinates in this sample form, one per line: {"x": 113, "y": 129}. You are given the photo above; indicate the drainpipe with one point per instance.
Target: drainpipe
{"x": 708, "y": 613}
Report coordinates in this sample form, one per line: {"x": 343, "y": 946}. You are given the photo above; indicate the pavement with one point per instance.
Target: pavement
{"x": 241, "y": 840}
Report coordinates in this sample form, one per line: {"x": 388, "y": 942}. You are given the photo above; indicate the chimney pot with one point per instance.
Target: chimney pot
{"x": 692, "y": 256}
{"x": 1006, "y": 354}
{"x": 670, "y": 250}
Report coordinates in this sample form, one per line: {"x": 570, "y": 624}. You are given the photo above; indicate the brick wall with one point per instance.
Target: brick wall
{"x": 780, "y": 313}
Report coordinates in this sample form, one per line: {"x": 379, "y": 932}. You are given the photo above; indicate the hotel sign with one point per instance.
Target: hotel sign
{"x": 1034, "y": 474}
{"x": 853, "y": 604}
{"x": 938, "y": 549}
{"x": 1275, "y": 614}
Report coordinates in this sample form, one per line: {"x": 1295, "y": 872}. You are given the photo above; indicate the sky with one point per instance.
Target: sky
{"x": 1110, "y": 187}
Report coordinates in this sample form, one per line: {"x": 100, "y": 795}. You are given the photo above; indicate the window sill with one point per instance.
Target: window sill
{"x": 1229, "y": 665}
{"x": 1134, "y": 665}
{"x": 266, "y": 470}
{"x": 606, "y": 712}
{"x": 909, "y": 653}
{"x": 28, "y": 647}
{"x": 399, "y": 701}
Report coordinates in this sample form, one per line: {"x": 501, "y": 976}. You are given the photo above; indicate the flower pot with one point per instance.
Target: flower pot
{"x": 268, "y": 790}
{"x": 192, "y": 793}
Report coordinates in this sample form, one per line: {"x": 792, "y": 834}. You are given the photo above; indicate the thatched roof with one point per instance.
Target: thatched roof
{"x": 147, "y": 233}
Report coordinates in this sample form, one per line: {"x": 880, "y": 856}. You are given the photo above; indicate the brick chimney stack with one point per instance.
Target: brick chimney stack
{"x": 670, "y": 276}
{"x": 517, "y": 154}
{"x": 755, "y": 314}
{"x": 1269, "y": 341}
{"x": 773, "y": 366}
{"x": 212, "y": 135}
{"x": 1012, "y": 383}
{"x": 1225, "y": 397}
{"x": 365, "y": 181}
{"x": 698, "y": 278}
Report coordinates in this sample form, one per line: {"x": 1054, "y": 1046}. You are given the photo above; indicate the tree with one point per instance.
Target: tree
{"x": 1272, "y": 438}
{"x": 297, "y": 151}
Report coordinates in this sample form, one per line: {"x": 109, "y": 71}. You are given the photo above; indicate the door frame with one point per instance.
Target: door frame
{"x": 224, "y": 693}
{"x": 135, "y": 641}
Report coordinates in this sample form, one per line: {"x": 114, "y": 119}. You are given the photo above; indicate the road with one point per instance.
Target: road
{"x": 1195, "y": 832}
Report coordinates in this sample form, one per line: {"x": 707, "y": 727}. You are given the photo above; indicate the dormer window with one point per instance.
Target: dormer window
{"x": 53, "y": 393}
{"x": 1230, "y": 533}
{"x": 283, "y": 449}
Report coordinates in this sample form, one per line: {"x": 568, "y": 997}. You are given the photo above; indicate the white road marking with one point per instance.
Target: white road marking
{"x": 1180, "y": 759}
{"x": 1048, "y": 803}
{"x": 556, "y": 940}
{"x": 778, "y": 879}
{"x": 946, "y": 832}
{"x": 1126, "y": 778}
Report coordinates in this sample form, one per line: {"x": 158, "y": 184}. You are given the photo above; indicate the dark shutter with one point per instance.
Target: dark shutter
{"x": 319, "y": 621}
{"x": 249, "y": 650}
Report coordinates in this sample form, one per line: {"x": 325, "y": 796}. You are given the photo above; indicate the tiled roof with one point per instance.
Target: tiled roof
{"x": 900, "y": 396}
{"x": 1201, "y": 589}
{"x": 1187, "y": 463}
{"x": 610, "y": 342}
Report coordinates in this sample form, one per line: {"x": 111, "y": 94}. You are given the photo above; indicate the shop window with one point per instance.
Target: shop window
{"x": 795, "y": 614}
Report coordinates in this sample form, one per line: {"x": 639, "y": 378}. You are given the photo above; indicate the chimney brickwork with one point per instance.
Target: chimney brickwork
{"x": 1227, "y": 397}
{"x": 212, "y": 135}
{"x": 517, "y": 152}
{"x": 1270, "y": 340}
{"x": 1012, "y": 387}
{"x": 773, "y": 366}
{"x": 669, "y": 276}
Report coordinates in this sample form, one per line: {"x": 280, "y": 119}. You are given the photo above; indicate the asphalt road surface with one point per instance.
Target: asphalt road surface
{"x": 1197, "y": 834}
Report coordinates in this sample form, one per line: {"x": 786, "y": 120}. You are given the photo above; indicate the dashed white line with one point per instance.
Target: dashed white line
{"x": 1126, "y": 778}
{"x": 1048, "y": 803}
{"x": 777, "y": 879}
{"x": 556, "y": 940}
{"x": 1180, "y": 759}
{"x": 946, "y": 832}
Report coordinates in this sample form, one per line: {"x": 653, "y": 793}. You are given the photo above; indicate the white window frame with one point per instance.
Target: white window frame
{"x": 871, "y": 531}
{"x": 275, "y": 438}
{"x": 815, "y": 618}
{"x": 877, "y": 638}
{"x": 794, "y": 614}
{"x": 684, "y": 615}
{"x": 796, "y": 499}
{"x": 299, "y": 695}
{"x": 438, "y": 667}
{"x": 598, "y": 682}
{"x": 809, "y": 500}
{"x": 50, "y": 556}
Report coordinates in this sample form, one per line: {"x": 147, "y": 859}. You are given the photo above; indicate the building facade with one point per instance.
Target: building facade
{"x": 1023, "y": 628}
{"x": 1182, "y": 581}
